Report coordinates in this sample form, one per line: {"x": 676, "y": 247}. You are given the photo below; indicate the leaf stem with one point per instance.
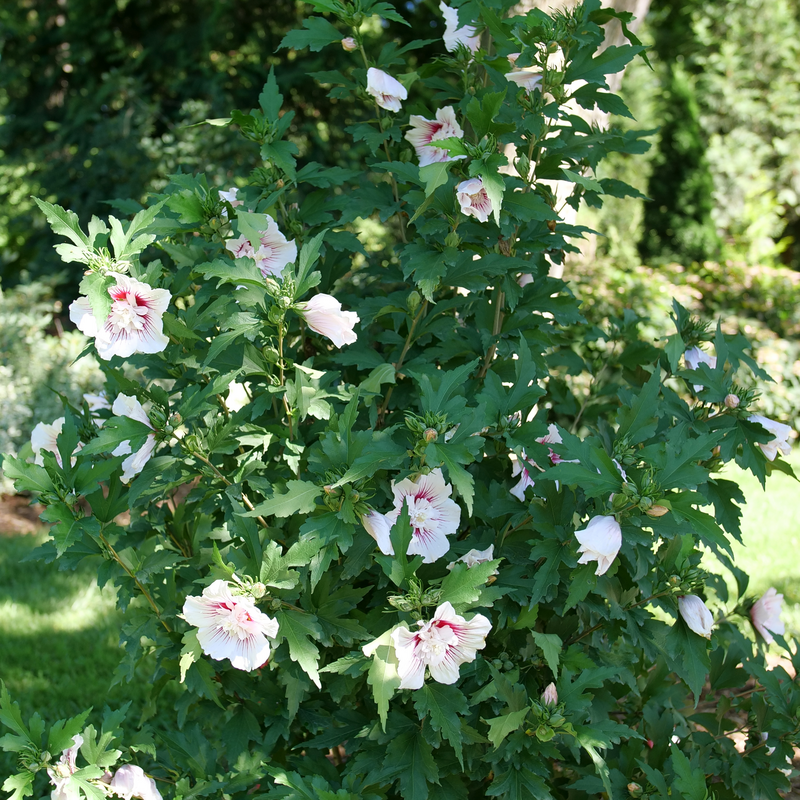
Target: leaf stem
{"x": 115, "y": 555}
{"x": 385, "y": 404}
{"x": 499, "y": 302}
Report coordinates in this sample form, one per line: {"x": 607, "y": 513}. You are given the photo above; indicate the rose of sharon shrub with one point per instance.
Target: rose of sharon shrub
{"x": 303, "y": 490}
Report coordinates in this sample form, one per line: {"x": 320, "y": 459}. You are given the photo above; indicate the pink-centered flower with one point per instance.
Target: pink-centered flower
{"x": 130, "y": 781}
{"x": 473, "y": 200}
{"x": 455, "y": 35}
{"x": 781, "y": 434}
{"x": 387, "y": 91}
{"x": 133, "y": 324}
{"x": 600, "y": 541}
{"x": 230, "y": 626}
{"x": 126, "y": 406}
{"x": 526, "y": 77}
{"x": 424, "y": 132}
{"x": 433, "y": 514}
{"x": 696, "y": 615}
{"x": 323, "y": 314}
{"x": 275, "y": 251}
{"x": 442, "y": 645}
{"x": 766, "y": 615}
{"x": 60, "y": 772}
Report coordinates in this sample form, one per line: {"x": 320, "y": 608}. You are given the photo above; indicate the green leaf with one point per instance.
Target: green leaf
{"x": 518, "y": 784}
{"x": 131, "y": 240}
{"x": 500, "y": 727}
{"x": 687, "y": 655}
{"x": 300, "y": 498}
{"x": 581, "y": 180}
{"x": 691, "y": 782}
{"x": 95, "y": 286}
{"x": 27, "y": 477}
{"x": 445, "y": 705}
{"x": 61, "y": 733}
{"x": 637, "y": 421}
{"x": 309, "y": 254}
{"x": 382, "y": 453}
{"x": 274, "y": 569}
{"x": 382, "y": 675}
{"x": 459, "y": 477}
{"x": 704, "y": 525}
{"x": 410, "y": 755}
{"x": 482, "y": 112}
{"x": 495, "y": 187}
{"x": 591, "y": 744}
{"x": 20, "y": 785}
{"x": 297, "y": 628}
{"x": 593, "y": 70}
{"x": 434, "y": 175}
{"x": 65, "y": 223}
{"x": 317, "y": 33}
{"x": 550, "y": 644}
{"x": 270, "y": 100}
{"x": 462, "y": 585}
{"x": 115, "y": 431}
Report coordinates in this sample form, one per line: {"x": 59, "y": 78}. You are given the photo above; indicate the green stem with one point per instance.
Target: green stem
{"x": 382, "y": 410}
{"x": 500, "y": 299}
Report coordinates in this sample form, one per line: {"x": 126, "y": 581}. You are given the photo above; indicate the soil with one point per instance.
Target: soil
{"x": 18, "y": 516}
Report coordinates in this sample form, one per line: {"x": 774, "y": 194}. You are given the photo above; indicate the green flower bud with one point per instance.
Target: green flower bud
{"x": 413, "y": 300}
{"x": 452, "y": 239}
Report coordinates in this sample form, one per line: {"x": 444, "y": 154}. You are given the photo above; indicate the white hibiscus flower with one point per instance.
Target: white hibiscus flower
{"x": 230, "y": 626}
{"x": 442, "y": 645}
{"x": 424, "y": 132}
{"x": 453, "y": 35}
{"x": 134, "y": 323}
{"x": 323, "y": 314}
{"x": 387, "y": 91}
{"x": 434, "y": 516}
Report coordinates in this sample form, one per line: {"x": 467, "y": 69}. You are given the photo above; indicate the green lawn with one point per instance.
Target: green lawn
{"x": 58, "y": 639}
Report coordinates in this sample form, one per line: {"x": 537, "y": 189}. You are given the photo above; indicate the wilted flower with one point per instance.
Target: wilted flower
{"x": 442, "y": 645}
{"x": 694, "y": 356}
{"x": 230, "y": 627}
{"x": 387, "y": 91}
{"x": 424, "y": 131}
{"x": 60, "y": 773}
{"x": 349, "y": 44}
{"x": 130, "y": 781}
{"x": 126, "y": 406}
{"x": 526, "y": 77}
{"x": 696, "y": 615}
{"x": 550, "y": 695}
{"x": 780, "y": 432}
{"x": 600, "y": 541}
{"x": 475, "y": 557}
{"x": 766, "y": 615}
{"x": 433, "y": 515}
{"x": 519, "y": 468}
{"x": 379, "y": 528}
{"x": 474, "y": 200}
{"x": 323, "y": 314}
{"x": 453, "y": 35}
{"x": 134, "y": 323}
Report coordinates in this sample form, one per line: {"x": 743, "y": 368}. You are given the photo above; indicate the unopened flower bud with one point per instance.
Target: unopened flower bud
{"x": 413, "y": 300}
{"x": 715, "y": 452}
{"x": 732, "y": 401}
{"x": 634, "y": 790}
{"x": 452, "y": 239}
{"x": 551, "y": 225}
{"x": 430, "y": 435}
{"x": 650, "y": 743}
{"x": 258, "y": 590}
{"x": 550, "y": 695}
{"x": 328, "y": 489}
{"x": 280, "y": 183}
{"x": 656, "y": 511}
{"x": 349, "y": 44}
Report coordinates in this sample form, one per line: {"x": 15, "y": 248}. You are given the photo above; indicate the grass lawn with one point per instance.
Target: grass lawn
{"x": 58, "y": 639}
